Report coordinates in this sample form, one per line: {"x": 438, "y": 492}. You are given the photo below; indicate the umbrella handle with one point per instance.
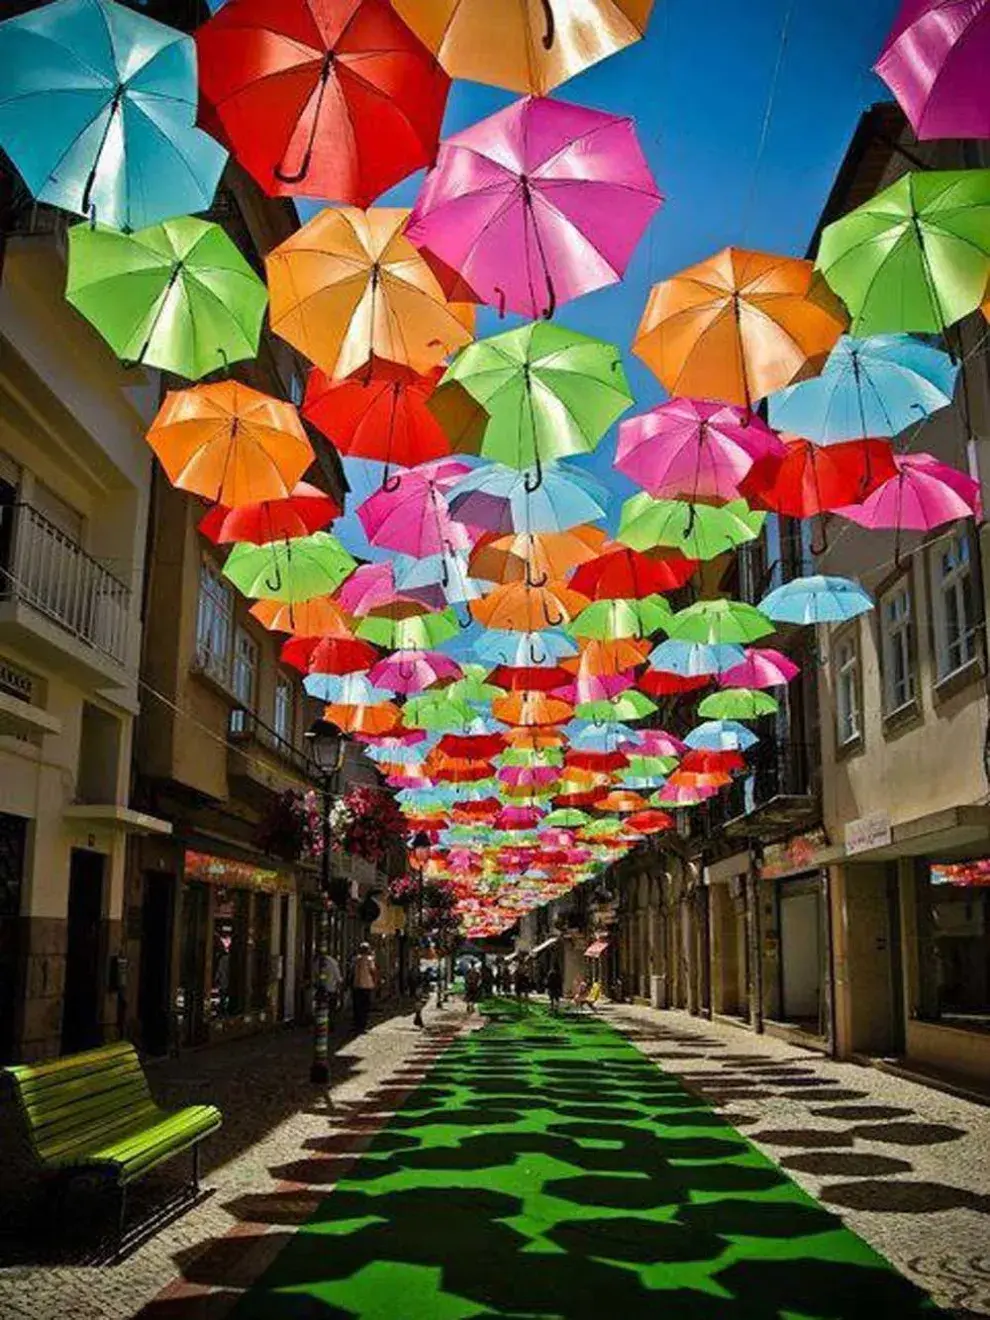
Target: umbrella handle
{"x": 460, "y": 622}
{"x": 391, "y": 481}
{"x": 300, "y": 174}
{"x": 501, "y": 301}
{"x": 533, "y": 655}
{"x": 275, "y": 585}
{"x": 535, "y": 582}
{"x": 551, "y": 623}
{"x": 551, "y": 32}
{"x": 820, "y": 549}
{"x": 444, "y": 571}
{"x": 551, "y": 307}
{"x": 539, "y": 477}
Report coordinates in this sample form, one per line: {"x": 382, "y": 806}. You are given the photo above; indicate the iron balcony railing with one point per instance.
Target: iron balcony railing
{"x": 42, "y": 565}
{"x": 774, "y": 771}
{"x": 245, "y": 726}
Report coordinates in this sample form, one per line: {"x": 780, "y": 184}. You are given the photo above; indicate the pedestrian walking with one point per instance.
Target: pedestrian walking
{"x": 472, "y": 989}
{"x": 555, "y": 985}
{"x": 365, "y": 980}
{"x": 487, "y": 981}
{"x": 334, "y": 979}
{"x": 580, "y": 993}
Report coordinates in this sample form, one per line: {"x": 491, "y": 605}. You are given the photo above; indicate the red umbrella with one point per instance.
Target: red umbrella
{"x": 603, "y": 762}
{"x": 811, "y": 479}
{"x": 478, "y": 745}
{"x": 334, "y": 99}
{"x": 307, "y": 509}
{"x": 529, "y": 678}
{"x": 701, "y": 761}
{"x": 580, "y": 800}
{"x": 623, "y": 574}
{"x": 328, "y": 655}
{"x": 661, "y": 683}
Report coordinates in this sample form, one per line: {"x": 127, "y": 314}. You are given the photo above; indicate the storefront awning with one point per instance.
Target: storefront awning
{"x": 596, "y": 949}
{"x": 545, "y": 945}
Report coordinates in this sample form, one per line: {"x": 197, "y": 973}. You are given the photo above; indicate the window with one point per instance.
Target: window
{"x": 953, "y": 604}
{"x": 284, "y": 703}
{"x": 954, "y": 943}
{"x": 245, "y": 673}
{"x": 213, "y": 628}
{"x": 847, "y": 690}
{"x": 897, "y": 649}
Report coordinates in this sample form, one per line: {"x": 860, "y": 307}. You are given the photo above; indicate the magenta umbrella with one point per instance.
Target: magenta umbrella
{"x": 370, "y": 587}
{"x": 924, "y": 494}
{"x": 693, "y": 449}
{"x": 936, "y": 63}
{"x": 411, "y": 514}
{"x": 533, "y": 775}
{"x": 655, "y": 742}
{"x": 518, "y": 818}
{"x": 413, "y": 671}
{"x": 595, "y": 687}
{"x": 537, "y": 204}
{"x": 762, "y": 668}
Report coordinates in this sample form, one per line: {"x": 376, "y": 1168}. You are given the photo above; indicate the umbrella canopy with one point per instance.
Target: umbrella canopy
{"x": 336, "y": 100}
{"x": 330, "y": 656}
{"x": 692, "y": 448}
{"x": 719, "y": 623}
{"x": 316, "y": 617}
{"x": 527, "y": 709}
{"x": 178, "y": 296}
{"x": 935, "y": 61}
{"x": 230, "y": 443}
{"x": 537, "y": 204}
{"x": 289, "y": 570}
{"x": 363, "y": 719}
{"x": 517, "y": 607}
{"x": 738, "y": 326}
{"x": 411, "y": 515}
{"x": 530, "y": 49}
{"x": 817, "y": 599}
{"x": 502, "y": 500}
{"x": 721, "y": 736}
{"x": 876, "y": 386}
{"x": 737, "y": 704}
{"x": 548, "y": 392}
{"x": 665, "y": 683}
{"x": 531, "y": 556}
{"x": 349, "y": 287}
{"x": 923, "y": 494}
{"x": 762, "y": 668}
{"x": 915, "y": 257}
{"x": 620, "y": 573}
{"x": 605, "y": 620}
{"x": 811, "y": 479}
{"x": 691, "y": 659}
{"x": 417, "y": 632}
{"x": 98, "y": 113}
{"x": 437, "y": 712}
{"x": 413, "y": 671}
{"x": 701, "y": 531}
{"x": 372, "y": 587}
{"x": 448, "y": 570}
{"x": 627, "y": 706}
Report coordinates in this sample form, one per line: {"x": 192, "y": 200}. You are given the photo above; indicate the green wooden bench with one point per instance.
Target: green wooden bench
{"x": 93, "y": 1112}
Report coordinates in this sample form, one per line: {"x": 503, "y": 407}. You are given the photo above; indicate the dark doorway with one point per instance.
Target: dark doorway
{"x": 8, "y": 512}
{"x": 81, "y": 1026}
{"x": 283, "y": 955}
{"x": 195, "y": 914}
{"x": 13, "y": 834}
{"x": 156, "y": 956}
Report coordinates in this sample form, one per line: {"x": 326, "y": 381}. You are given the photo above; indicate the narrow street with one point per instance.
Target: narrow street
{"x": 541, "y": 1166}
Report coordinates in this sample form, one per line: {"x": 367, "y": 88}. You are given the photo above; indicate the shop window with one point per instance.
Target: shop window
{"x": 848, "y": 714}
{"x": 954, "y": 928}
{"x": 230, "y": 949}
{"x": 897, "y": 648}
{"x": 262, "y": 960}
{"x": 244, "y": 679}
{"x": 953, "y": 604}
{"x": 213, "y": 624}
{"x": 284, "y": 702}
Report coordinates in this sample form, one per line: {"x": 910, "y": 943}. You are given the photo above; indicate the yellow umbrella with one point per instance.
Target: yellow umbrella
{"x": 349, "y": 287}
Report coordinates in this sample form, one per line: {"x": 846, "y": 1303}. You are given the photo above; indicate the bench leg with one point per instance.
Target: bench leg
{"x": 121, "y": 1217}
{"x": 195, "y": 1168}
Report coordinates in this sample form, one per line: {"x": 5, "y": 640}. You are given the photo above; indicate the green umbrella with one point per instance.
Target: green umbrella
{"x": 700, "y": 531}
{"x": 738, "y": 704}
{"x": 291, "y": 570}
{"x": 178, "y": 296}
{"x": 436, "y": 711}
{"x": 647, "y": 767}
{"x": 719, "y": 623}
{"x": 915, "y": 257}
{"x": 473, "y": 688}
{"x": 420, "y": 632}
{"x": 566, "y": 818}
{"x": 604, "y": 828}
{"x": 608, "y": 619}
{"x": 631, "y": 705}
{"x": 551, "y": 756}
{"x": 548, "y": 392}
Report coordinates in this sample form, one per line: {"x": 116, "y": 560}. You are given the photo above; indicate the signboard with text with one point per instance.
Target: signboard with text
{"x": 867, "y": 833}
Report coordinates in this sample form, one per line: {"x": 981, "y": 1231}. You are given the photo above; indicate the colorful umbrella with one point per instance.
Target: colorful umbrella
{"x": 718, "y": 623}
{"x": 417, "y": 632}
{"x": 529, "y": 709}
{"x": 691, "y": 659}
{"x": 532, "y": 556}
{"x": 349, "y": 287}
{"x": 502, "y": 500}
{"x": 330, "y": 657}
{"x": 702, "y": 531}
{"x": 523, "y": 649}
{"x": 738, "y": 326}
{"x": 336, "y": 100}
{"x": 305, "y": 509}
{"x": 817, "y": 599}
{"x": 620, "y": 573}
{"x": 935, "y": 61}
{"x": 289, "y": 570}
{"x": 178, "y": 296}
{"x": 517, "y": 607}
{"x": 538, "y": 204}
{"x": 922, "y": 495}
{"x": 605, "y": 620}
{"x": 626, "y": 706}
{"x": 371, "y": 587}
{"x": 448, "y": 569}
{"x": 916, "y": 256}
{"x": 437, "y": 712}
{"x": 412, "y": 515}
{"x": 737, "y": 704}
{"x": 876, "y": 386}
{"x": 762, "y": 668}
{"x": 664, "y": 683}
{"x": 98, "y": 112}
{"x": 721, "y": 736}
{"x": 413, "y": 671}
{"x": 316, "y": 617}
{"x": 812, "y": 479}
{"x": 529, "y": 49}
{"x": 363, "y": 719}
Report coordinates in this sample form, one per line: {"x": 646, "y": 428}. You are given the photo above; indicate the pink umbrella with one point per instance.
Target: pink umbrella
{"x": 595, "y": 687}
{"x": 413, "y": 671}
{"x": 655, "y": 742}
{"x": 679, "y": 795}
{"x": 370, "y": 587}
{"x": 411, "y": 514}
{"x": 518, "y": 775}
{"x": 518, "y": 818}
{"x": 762, "y": 668}
{"x": 537, "y": 204}
{"x": 924, "y": 494}
{"x": 693, "y": 449}
{"x": 936, "y": 61}
{"x": 393, "y": 741}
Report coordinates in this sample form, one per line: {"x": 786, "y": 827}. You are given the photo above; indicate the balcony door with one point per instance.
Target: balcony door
{"x": 84, "y": 981}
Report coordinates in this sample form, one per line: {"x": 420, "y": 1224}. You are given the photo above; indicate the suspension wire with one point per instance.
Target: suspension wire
{"x": 750, "y": 197}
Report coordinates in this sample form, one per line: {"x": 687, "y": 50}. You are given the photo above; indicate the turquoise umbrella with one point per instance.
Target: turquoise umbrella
{"x": 816, "y": 599}
{"x": 98, "y": 111}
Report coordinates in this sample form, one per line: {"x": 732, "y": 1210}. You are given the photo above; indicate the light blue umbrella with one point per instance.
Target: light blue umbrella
{"x": 694, "y": 659}
{"x": 599, "y": 738}
{"x": 817, "y": 599}
{"x": 347, "y": 689}
{"x": 449, "y": 570}
{"x": 721, "y": 736}
{"x": 499, "y": 499}
{"x": 868, "y": 387}
{"x": 523, "y": 650}
{"x": 98, "y": 111}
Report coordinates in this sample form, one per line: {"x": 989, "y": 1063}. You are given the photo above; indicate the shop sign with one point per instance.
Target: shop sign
{"x": 232, "y": 874}
{"x": 868, "y": 832}
{"x": 797, "y": 854}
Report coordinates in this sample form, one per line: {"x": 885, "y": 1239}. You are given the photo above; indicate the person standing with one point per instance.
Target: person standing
{"x": 555, "y": 985}
{"x": 334, "y": 979}
{"x": 365, "y": 981}
{"x": 472, "y": 989}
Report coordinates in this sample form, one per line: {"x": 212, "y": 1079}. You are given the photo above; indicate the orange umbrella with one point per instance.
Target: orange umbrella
{"x": 230, "y": 443}
{"x": 623, "y": 800}
{"x": 384, "y": 718}
{"x": 605, "y": 658}
{"x": 519, "y": 607}
{"x": 349, "y": 287}
{"x": 536, "y": 739}
{"x": 534, "y": 556}
{"x": 698, "y": 779}
{"x": 738, "y": 326}
{"x": 531, "y": 708}
{"x": 318, "y": 617}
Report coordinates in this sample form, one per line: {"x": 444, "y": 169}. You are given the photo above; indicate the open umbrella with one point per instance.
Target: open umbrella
{"x": 816, "y": 599}
{"x": 605, "y": 620}
{"x": 437, "y": 712}
{"x": 448, "y": 570}
{"x": 701, "y": 531}
{"x": 517, "y": 607}
{"x": 876, "y": 386}
{"x": 721, "y": 736}
{"x": 923, "y": 494}
{"x": 413, "y": 671}
{"x": 719, "y": 623}
{"x": 762, "y": 668}
{"x": 502, "y": 500}
{"x": 305, "y": 509}
{"x": 621, "y": 573}
{"x": 412, "y": 515}
{"x": 418, "y": 632}
{"x": 316, "y": 617}
{"x": 737, "y": 704}
{"x": 178, "y": 296}
{"x": 532, "y": 47}
{"x": 98, "y": 113}
{"x": 289, "y": 570}
{"x": 738, "y": 326}
{"x": 810, "y": 479}
{"x": 692, "y": 659}
{"x": 526, "y": 709}
{"x": 627, "y": 706}
{"x": 336, "y": 99}
{"x": 331, "y": 655}
{"x": 665, "y": 683}
{"x": 935, "y": 61}
{"x": 349, "y": 287}
{"x": 548, "y": 391}
{"x": 915, "y": 257}
{"x": 532, "y": 556}
{"x": 537, "y": 204}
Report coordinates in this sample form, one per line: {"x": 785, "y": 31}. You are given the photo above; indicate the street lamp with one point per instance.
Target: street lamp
{"x": 326, "y": 747}
{"x": 419, "y": 854}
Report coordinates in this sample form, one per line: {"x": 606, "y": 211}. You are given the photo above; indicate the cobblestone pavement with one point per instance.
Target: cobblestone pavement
{"x": 273, "y": 1121}
{"x": 906, "y": 1166}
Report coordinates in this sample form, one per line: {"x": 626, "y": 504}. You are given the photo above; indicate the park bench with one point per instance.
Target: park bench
{"x": 93, "y": 1113}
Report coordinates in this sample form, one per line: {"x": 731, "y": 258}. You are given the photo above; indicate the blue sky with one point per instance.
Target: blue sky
{"x": 698, "y": 87}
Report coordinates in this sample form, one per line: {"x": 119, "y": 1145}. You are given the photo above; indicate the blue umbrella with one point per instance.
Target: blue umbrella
{"x": 98, "y": 112}
{"x": 868, "y": 387}
{"x": 694, "y": 659}
{"x": 599, "y": 738}
{"x": 448, "y": 569}
{"x": 721, "y": 736}
{"x": 816, "y": 599}
{"x": 347, "y": 689}
{"x": 523, "y": 650}
{"x": 499, "y": 499}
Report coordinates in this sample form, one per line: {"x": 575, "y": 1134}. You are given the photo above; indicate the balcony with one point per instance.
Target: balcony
{"x": 60, "y": 604}
{"x": 780, "y": 794}
{"x": 261, "y": 761}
